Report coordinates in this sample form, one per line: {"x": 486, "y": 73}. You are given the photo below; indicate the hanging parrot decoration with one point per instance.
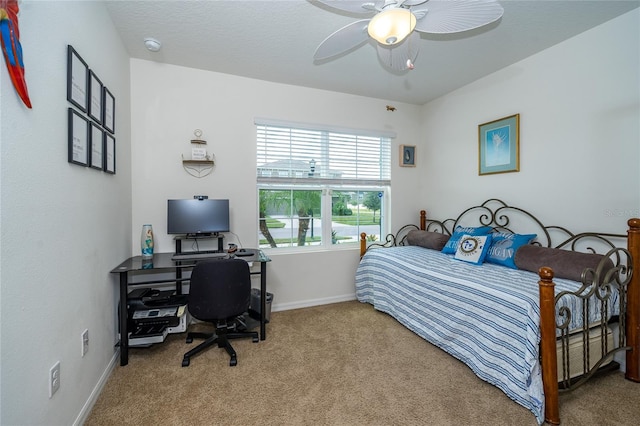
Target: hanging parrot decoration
{"x": 11, "y": 48}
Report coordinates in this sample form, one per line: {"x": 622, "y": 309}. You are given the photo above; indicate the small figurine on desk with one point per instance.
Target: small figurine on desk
{"x": 232, "y": 248}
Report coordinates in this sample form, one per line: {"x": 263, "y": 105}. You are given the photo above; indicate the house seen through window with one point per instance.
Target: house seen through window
{"x": 320, "y": 187}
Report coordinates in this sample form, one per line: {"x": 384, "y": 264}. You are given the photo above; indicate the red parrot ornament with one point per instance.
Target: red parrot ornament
{"x": 11, "y": 48}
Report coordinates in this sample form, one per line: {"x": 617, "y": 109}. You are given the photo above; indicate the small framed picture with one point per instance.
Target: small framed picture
{"x": 97, "y": 146}
{"x": 109, "y": 153}
{"x": 499, "y": 146}
{"x": 108, "y": 111}
{"x": 78, "y": 138}
{"x": 408, "y": 155}
{"x": 77, "y": 79}
{"x": 95, "y": 98}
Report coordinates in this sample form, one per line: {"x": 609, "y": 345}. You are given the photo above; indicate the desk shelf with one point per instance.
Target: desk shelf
{"x": 178, "y": 240}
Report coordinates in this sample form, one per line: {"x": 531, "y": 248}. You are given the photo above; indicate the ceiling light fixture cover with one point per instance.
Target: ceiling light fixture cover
{"x": 152, "y": 44}
{"x": 391, "y": 26}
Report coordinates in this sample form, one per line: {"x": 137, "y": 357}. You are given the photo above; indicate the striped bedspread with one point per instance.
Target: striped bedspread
{"x": 487, "y": 316}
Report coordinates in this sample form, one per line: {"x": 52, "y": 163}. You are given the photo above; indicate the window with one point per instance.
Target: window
{"x": 320, "y": 187}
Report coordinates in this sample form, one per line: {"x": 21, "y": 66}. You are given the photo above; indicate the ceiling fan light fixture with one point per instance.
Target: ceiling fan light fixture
{"x": 391, "y": 26}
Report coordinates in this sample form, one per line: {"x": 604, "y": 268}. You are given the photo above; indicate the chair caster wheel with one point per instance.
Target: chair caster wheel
{"x": 255, "y": 340}
{"x": 233, "y": 362}
{"x": 185, "y": 362}
{"x": 189, "y": 339}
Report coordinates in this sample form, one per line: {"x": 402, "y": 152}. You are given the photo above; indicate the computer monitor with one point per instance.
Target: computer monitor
{"x": 197, "y": 216}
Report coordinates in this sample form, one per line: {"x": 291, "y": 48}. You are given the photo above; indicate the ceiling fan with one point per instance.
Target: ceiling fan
{"x": 394, "y": 25}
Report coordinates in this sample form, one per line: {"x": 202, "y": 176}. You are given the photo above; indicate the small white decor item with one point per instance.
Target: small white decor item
{"x": 199, "y": 154}
{"x": 473, "y": 248}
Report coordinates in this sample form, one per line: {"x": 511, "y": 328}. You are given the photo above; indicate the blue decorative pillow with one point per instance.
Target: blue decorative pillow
{"x": 473, "y": 248}
{"x": 503, "y": 248}
{"x": 452, "y": 244}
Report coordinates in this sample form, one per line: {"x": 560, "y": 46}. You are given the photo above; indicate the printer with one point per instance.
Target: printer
{"x": 147, "y": 298}
{"x": 152, "y": 314}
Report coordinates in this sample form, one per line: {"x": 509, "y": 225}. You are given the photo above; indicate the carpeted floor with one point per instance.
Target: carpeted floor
{"x": 340, "y": 364}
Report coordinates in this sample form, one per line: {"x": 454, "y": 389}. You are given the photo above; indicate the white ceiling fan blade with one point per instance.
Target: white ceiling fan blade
{"x": 453, "y": 16}
{"x": 353, "y": 6}
{"x": 413, "y": 2}
{"x": 397, "y": 56}
{"x": 342, "y": 40}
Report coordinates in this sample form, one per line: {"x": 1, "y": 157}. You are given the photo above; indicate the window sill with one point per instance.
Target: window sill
{"x": 310, "y": 250}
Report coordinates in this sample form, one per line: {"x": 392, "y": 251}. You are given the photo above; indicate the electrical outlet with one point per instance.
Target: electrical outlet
{"x": 85, "y": 342}
{"x": 54, "y": 379}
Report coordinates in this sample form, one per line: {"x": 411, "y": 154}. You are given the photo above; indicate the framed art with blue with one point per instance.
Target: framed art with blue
{"x": 499, "y": 146}
{"x": 407, "y": 155}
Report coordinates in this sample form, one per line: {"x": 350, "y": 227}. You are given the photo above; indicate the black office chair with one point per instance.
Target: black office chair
{"x": 219, "y": 292}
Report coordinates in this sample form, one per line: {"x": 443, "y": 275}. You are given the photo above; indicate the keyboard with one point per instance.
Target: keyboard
{"x": 199, "y": 256}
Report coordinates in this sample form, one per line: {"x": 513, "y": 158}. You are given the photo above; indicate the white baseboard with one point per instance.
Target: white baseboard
{"x": 97, "y": 390}
{"x": 312, "y": 302}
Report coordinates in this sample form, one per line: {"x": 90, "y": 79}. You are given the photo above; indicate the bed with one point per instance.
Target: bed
{"x": 561, "y": 308}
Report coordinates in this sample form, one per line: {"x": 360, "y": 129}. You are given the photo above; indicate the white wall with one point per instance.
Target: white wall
{"x": 64, "y": 227}
{"x": 579, "y": 106}
{"x": 169, "y": 102}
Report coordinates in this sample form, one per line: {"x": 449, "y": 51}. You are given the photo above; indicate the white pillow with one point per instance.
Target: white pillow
{"x": 473, "y": 248}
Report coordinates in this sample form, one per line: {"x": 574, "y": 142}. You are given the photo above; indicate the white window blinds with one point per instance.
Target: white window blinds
{"x": 286, "y": 154}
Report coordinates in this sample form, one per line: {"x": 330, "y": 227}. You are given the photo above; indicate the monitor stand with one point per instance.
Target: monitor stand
{"x": 220, "y": 238}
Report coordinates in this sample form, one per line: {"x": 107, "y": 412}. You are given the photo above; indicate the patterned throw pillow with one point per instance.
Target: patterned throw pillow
{"x": 503, "y": 248}
{"x": 473, "y": 248}
{"x": 452, "y": 244}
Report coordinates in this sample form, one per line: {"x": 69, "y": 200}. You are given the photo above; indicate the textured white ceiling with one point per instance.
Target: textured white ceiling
{"x": 275, "y": 41}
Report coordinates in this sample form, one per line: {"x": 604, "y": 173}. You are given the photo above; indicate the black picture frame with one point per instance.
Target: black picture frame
{"x": 78, "y": 138}
{"x": 95, "y": 98}
{"x": 109, "y": 153}
{"x": 96, "y": 140}
{"x": 108, "y": 111}
{"x": 77, "y": 79}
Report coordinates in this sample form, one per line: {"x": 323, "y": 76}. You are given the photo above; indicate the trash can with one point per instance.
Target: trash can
{"x": 255, "y": 303}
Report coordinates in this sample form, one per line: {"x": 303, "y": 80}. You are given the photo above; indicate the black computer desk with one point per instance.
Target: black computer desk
{"x": 162, "y": 262}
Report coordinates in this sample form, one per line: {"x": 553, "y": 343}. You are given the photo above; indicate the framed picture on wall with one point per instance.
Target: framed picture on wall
{"x": 499, "y": 146}
{"x": 95, "y": 98}
{"x": 77, "y": 79}
{"x": 97, "y": 145}
{"x": 407, "y": 155}
{"x": 109, "y": 111}
{"x": 78, "y": 129}
{"x": 109, "y": 153}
